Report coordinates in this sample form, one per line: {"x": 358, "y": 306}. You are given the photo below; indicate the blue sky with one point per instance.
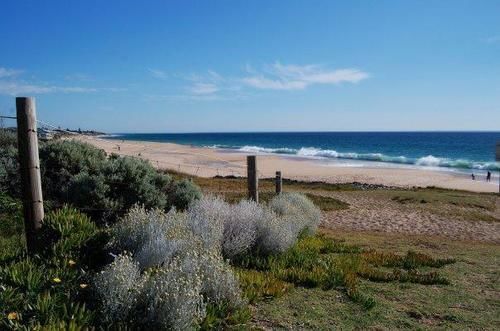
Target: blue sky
{"x": 189, "y": 66}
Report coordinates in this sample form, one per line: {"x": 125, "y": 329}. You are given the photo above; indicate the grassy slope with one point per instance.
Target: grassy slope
{"x": 472, "y": 301}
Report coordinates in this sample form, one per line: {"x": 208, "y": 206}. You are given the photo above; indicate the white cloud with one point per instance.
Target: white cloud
{"x": 210, "y": 83}
{"x": 18, "y": 88}
{"x": 159, "y": 74}
{"x": 296, "y": 77}
{"x": 6, "y": 72}
{"x": 203, "y": 88}
{"x": 10, "y": 84}
{"x": 273, "y": 84}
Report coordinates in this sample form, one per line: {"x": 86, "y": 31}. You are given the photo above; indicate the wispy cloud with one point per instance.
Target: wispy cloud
{"x": 203, "y": 88}
{"x": 159, "y": 74}
{"x": 6, "y": 72}
{"x": 18, "y": 88}
{"x": 207, "y": 84}
{"x": 213, "y": 86}
{"x": 11, "y": 84}
{"x": 296, "y": 77}
{"x": 492, "y": 40}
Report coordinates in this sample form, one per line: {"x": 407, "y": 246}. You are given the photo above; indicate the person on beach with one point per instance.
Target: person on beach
{"x": 473, "y": 177}
{"x": 488, "y": 176}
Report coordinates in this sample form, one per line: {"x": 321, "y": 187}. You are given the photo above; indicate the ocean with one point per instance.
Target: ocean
{"x": 468, "y": 152}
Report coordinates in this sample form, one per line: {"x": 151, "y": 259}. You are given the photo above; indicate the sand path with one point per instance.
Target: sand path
{"x": 368, "y": 213}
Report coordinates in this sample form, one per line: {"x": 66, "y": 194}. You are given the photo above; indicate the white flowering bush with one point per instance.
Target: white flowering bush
{"x": 180, "y": 260}
{"x": 206, "y": 219}
{"x": 275, "y": 234}
{"x": 176, "y": 267}
{"x": 298, "y": 209}
{"x": 118, "y": 287}
{"x": 172, "y": 296}
{"x": 240, "y": 228}
{"x": 154, "y": 237}
{"x": 219, "y": 283}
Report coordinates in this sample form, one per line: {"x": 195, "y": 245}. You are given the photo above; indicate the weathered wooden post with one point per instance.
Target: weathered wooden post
{"x": 278, "y": 182}
{"x": 253, "y": 180}
{"x": 29, "y": 162}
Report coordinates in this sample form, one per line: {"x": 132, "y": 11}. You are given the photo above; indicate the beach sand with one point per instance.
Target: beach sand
{"x": 207, "y": 162}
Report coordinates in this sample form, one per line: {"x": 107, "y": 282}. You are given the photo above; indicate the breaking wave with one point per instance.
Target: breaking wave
{"x": 426, "y": 161}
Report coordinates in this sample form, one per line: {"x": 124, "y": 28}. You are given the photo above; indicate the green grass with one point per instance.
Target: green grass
{"x": 468, "y": 302}
{"x": 320, "y": 262}
{"x": 12, "y": 240}
{"x": 50, "y": 288}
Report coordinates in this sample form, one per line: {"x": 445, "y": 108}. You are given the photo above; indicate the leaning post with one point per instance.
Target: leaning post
{"x": 253, "y": 180}
{"x": 278, "y": 182}
{"x": 29, "y": 163}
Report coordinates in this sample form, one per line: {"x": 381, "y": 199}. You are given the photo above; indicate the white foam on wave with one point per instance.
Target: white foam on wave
{"x": 432, "y": 161}
{"x": 316, "y": 152}
{"x": 258, "y": 149}
{"x": 429, "y": 161}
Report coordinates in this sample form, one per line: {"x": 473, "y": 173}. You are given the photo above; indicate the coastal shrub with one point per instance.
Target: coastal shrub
{"x": 275, "y": 233}
{"x": 240, "y": 228}
{"x": 246, "y": 226}
{"x": 8, "y": 138}
{"x": 206, "y": 219}
{"x": 60, "y": 160}
{"x": 172, "y": 296}
{"x": 133, "y": 181}
{"x": 91, "y": 194}
{"x": 9, "y": 167}
{"x": 181, "y": 193}
{"x": 182, "y": 270}
{"x": 118, "y": 287}
{"x": 219, "y": 283}
{"x": 300, "y": 211}
{"x": 153, "y": 236}
{"x": 106, "y": 187}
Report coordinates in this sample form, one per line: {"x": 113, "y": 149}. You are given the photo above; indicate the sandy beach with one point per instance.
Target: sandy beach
{"x": 207, "y": 162}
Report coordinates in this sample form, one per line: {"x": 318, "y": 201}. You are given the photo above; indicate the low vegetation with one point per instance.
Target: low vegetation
{"x": 49, "y": 289}
{"x": 102, "y": 186}
{"x": 170, "y": 270}
{"x": 156, "y": 254}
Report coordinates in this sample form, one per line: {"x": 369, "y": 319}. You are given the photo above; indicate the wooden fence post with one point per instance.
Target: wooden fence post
{"x": 29, "y": 162}
{"x": 253, "y": 180}
{"x": 278, "y": 182}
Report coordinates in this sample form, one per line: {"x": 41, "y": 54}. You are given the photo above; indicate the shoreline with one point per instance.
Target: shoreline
{"x": 210, "y": 162}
